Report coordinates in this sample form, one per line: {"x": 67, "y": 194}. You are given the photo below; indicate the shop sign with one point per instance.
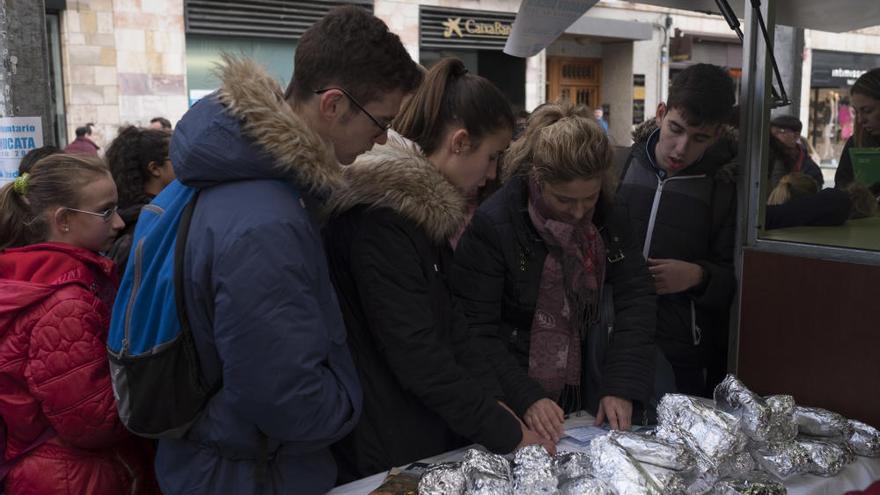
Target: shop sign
{"x": 832, "y": 69}
{"x": 462, "y": 27}
{"x": 18, "y": 136}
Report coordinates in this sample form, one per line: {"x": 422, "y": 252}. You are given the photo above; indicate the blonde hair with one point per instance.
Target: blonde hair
{"x": 561, "y": 143}
{"x": 55, "y": 180}
{"x": 793, "y": 185}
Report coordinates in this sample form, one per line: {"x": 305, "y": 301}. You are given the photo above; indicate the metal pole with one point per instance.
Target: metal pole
{"x": 753, "y": 141}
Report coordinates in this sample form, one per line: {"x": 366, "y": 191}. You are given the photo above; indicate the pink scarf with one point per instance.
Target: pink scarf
{"x": 568, "y": 295}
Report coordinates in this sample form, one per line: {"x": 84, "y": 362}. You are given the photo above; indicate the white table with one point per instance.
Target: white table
{"x": 856, "y": 476}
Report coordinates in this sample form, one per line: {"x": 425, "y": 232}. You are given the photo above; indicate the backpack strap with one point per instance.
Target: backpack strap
{"x": 262, "y": 462}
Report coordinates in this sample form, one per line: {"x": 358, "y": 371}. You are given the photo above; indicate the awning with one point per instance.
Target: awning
{"x": 610, "y": 29}
{"x": 540, "y": 22}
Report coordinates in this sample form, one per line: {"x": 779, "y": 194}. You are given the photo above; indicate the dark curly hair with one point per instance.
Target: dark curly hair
{"x": 128, "y": 156}
{"x": 351, "y": 48}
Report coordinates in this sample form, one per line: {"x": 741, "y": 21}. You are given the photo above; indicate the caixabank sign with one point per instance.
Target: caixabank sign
{"x": 465, "y": 29}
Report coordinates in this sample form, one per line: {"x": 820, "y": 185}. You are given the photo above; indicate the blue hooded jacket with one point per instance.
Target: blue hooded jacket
{"x": 264, "y": 314}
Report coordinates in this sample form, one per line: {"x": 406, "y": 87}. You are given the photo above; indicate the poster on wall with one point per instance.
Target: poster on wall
{"x": 18, "y": 135}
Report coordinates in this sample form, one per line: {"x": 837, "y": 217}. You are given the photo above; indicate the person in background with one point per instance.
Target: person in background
{"x": 427, "y": 389}
{"x": 138, "y": 159}
{"x": 62, "y": 431}
{"x": 83, "y": 143}
{"x": 865, "y": 99}
{"x": 264, "y": 315}
{"x": 160, "y": 123}
{"x": 35, "y": 155}
{"x": 681, "y": 196}
{"x": 787, "y": 154}
{"x": 530, "y": 271}
{"x": 599, "y": 115}
{"x": 796, "y": 201}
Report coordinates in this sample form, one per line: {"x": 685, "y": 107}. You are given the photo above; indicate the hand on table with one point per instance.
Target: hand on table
{"x": 674, "y": 276}
{"x": 529, "y": 437}
{"x": 546, "y": 418}
{"x": 618, "y": 412}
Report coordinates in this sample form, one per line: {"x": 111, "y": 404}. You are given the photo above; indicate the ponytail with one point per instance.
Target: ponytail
{"x": 53, "y": 181}
{"x": 451, "y": 96}
{"x": 793, "y": 185}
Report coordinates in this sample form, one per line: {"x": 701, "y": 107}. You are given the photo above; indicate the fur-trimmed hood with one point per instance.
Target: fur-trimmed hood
{"x": 246, "y": 130}
{"x": 397, "y": 176}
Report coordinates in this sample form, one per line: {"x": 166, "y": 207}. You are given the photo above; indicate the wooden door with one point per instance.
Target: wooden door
{"x": 574, "y": 79}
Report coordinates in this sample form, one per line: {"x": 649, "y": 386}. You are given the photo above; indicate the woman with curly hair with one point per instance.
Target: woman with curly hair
{"x": 138, "y": 160}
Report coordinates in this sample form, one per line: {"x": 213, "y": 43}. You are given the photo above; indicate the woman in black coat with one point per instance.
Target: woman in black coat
{"x": 530, "y": 270}
{"x": 427, "y": 389}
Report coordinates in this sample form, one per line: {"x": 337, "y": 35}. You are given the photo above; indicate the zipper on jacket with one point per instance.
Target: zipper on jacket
{"x": 652, "y": 220}
{"x": 135, "y": 285}
{"x": 696, "y": 332}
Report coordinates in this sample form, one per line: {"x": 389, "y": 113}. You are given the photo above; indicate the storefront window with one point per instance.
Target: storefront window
{"x": 203, "y": 53}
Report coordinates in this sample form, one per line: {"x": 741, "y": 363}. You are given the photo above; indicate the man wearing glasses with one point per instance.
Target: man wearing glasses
{"x": 263, "y": 312}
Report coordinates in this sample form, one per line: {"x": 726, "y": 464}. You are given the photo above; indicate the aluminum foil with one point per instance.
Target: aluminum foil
{"x": 486, "y": 473}
{"x": 865, "y": 439}
{"x": 738, "y": 465}
{"x": 621, "y": 471}
{"x": 754, "y": 483}
{"x": 443, "y": 479}
{"x": 783, "y": 425}
{"x": 534, "y": 471}
{"x": 826, "y": 458}
{"x": 585, "y": 486}
{"x": 783, "y": 459}
{"x": 732, "y": 396}
{"x": 651, "y": 450}
{"x": 821, "y": 423}
{"x": 669, "y": 481}
{"x": 573, "y": 465}
{"x": 712, "y": 435}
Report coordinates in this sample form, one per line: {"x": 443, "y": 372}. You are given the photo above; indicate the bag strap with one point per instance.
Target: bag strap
{"x": 6, "y": 466}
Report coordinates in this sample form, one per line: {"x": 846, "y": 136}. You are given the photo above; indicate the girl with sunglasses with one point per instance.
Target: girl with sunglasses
{"x": 63, "y": 434}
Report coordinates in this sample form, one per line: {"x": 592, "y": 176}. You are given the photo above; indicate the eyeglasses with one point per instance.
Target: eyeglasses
{"x": 383, "y": 126}
{"x": 105, "y": 215}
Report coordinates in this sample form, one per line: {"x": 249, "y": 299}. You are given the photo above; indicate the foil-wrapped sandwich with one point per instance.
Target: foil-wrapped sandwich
{"x": 826, "y": 458}
{"x": 739, "y": 464}
{"x": 534, "y": 471}
{"x": 585, "y": 486}
{"x": 783, "y": 425}
{"x": 486, "y": 473}
{"x": 818, "y": 422}
{"x": 865, "y": 439}
{"x": 652, "y": 450}
{"x": 626, "y": 475}
{"x": 710, "y": 433}
{"x": 755, "y": 416}
{"x": 783, "y": 460}
{"x": 573, "y": 465}
{"x": 443, "y": 479}
{"x": 754, "y": 483}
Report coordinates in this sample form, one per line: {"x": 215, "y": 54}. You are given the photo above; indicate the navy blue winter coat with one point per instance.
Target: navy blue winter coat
{"x": 264, "y": 314}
